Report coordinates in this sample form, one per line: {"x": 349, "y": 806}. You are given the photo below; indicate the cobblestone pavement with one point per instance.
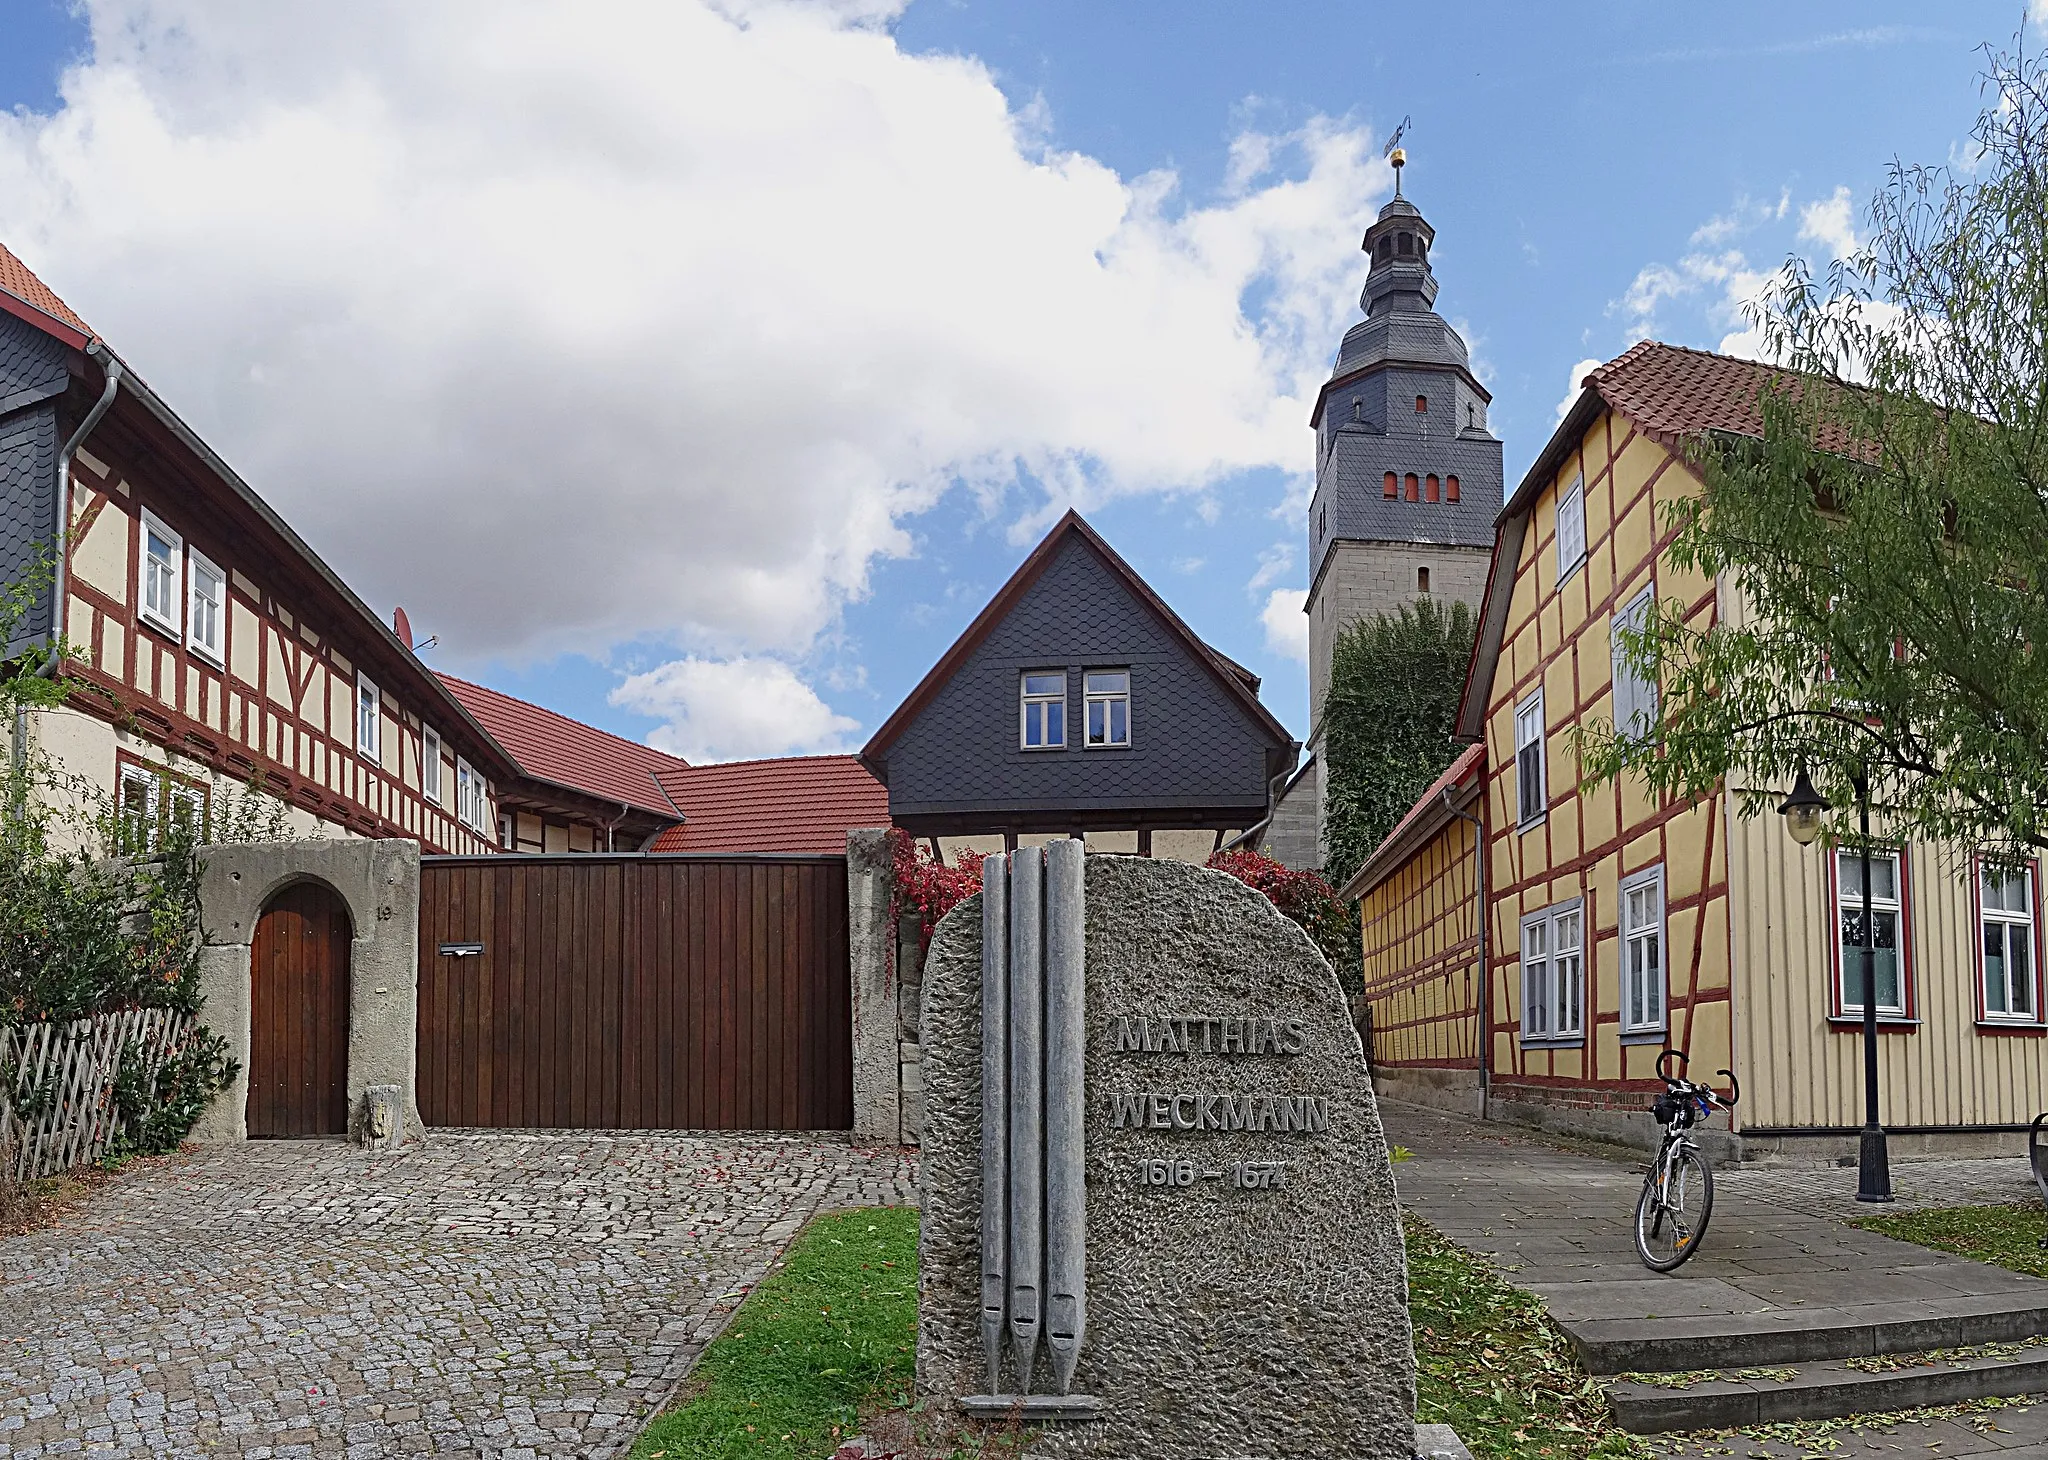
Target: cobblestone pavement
{"x": 1830, "y": 1191}
{"x": 497, "y": 1294}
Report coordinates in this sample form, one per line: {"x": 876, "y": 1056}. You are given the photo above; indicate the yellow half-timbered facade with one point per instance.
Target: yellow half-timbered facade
{"x": 1617, "y": 925}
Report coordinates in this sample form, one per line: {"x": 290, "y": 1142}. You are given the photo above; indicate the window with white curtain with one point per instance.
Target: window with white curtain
{"x": 161, "y": 575}
{"x": 1635, "y": 693}
{"x": 206, "y": 616}
{"x": 1553, "y": 973}
{"x": 1642, "y": 952}
{"x": 1571, "y": 529}
{"x": 2005, "y": 912}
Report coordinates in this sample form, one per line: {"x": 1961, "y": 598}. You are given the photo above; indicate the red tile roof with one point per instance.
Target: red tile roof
{"x": 801, "y": 803}
{"x": 566, "y": 752}
{"x": 17, "y": 280}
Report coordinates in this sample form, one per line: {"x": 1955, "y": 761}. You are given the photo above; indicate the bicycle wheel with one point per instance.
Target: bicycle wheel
{"x": 1672, "y": 1212}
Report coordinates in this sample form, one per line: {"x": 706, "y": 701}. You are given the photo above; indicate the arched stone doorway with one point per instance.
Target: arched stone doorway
{"x": 299, "y": 1014}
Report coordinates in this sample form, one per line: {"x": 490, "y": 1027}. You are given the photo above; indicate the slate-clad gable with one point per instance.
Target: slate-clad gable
{"x": 1195, "y": 746}
{"x": 32, "y": 377}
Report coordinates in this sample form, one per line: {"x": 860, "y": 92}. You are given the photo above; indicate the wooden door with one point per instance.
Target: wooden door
{"x": 298, "y": 1015}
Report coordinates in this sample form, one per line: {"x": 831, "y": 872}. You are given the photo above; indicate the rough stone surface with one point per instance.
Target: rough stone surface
{"x": 380, "y": 883}
{"x": 870, "y": 940}
{"x": 511, "y": 1295}
{"x": 1221, "y": 1323}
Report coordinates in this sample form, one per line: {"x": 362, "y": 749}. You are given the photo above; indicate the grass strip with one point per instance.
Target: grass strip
{"x": 830, "y": 1334}
{"x": 2009, "y": 1236}
{"x": 1490, "y": 1363}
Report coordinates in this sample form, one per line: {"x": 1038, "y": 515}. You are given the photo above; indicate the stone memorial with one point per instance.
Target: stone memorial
{"x": 1159, "y": 1219}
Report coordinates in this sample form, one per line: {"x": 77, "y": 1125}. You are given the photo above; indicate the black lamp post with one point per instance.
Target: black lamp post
{"x": 1802, "y": 812}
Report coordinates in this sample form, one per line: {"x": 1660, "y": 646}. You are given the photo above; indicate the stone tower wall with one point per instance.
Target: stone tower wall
{"x": 1367, "y": 578}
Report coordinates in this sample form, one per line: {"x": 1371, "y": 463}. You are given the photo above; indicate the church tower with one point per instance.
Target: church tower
{"x": 1408, "y": 478}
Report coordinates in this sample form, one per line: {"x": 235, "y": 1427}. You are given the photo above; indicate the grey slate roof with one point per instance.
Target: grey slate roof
{"x": 1368, "y": 422}
{"x": 1202, "y": 751}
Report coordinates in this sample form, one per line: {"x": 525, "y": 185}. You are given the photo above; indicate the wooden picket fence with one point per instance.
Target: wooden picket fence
{"x": 77, "y": 1064}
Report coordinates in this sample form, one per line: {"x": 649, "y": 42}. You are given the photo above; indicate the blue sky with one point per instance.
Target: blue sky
{"x": 1595, "y": 172}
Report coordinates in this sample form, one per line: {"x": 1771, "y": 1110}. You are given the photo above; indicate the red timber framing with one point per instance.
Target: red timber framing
{"x": 278, "y": 710}
{"x": 1589, "y": 842}
{"x": 1418, "y": 901}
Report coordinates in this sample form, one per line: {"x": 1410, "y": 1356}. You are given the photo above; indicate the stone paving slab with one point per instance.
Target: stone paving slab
{"x": 1770, "y": 1276}
{"x": 494, "y": 1294}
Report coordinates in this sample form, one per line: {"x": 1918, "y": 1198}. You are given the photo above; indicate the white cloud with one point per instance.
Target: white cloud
{"x": 1830, "y": 224}
{"x": 1275, "y": 563}
{"x": 1287, "y": 623}
{"x": 733, "y": 709}
{"x": 657, "y": 319}
{"x": 1571, "y": 390}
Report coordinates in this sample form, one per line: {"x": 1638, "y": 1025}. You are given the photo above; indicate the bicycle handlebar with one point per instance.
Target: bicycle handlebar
{"x": 1729, "y": 1101}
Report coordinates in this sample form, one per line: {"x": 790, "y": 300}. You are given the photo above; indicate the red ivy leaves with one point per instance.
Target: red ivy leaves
{"x": 930, "y": 888}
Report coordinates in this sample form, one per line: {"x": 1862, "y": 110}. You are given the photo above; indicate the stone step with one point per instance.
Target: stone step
{"x": 1738, "y": 1397}
{"x": 1801, "y": 1336}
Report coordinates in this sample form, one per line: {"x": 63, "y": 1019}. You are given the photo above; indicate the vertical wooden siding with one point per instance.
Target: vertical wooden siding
{"x": 1421, "y": 942}
{"x": 653, "y": 993}
{"x": 1806, "y": 1070}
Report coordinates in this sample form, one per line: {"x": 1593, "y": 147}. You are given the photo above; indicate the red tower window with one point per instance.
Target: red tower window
{"x": 1450, "y": 489}
{"x": 1392, "y": 489}
{"x": 1414, "y": 487}
{"x": 1421, "y": 404}
{"x": 1431, "y": 488}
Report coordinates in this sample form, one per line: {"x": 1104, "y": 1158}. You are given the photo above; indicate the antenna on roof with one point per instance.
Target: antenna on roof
{"x": 1395, "y": 153}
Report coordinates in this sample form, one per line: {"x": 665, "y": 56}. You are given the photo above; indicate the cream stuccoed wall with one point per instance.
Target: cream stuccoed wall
{"x": 84, "y": 751}
{"x": 1174, "y": 846}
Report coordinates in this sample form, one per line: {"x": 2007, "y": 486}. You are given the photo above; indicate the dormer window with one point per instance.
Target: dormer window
{"x": 1108, "y": 693}
{"x": 1421, "y": 405}
{"x": 1044, "y": 699}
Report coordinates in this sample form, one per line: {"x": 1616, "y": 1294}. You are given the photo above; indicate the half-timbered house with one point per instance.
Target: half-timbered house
{"x": 209, "y": 644}
{"x": 1618, "y": 924}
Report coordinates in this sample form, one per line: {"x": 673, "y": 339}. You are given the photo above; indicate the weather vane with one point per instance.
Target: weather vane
{"x": 1397, "y": 154}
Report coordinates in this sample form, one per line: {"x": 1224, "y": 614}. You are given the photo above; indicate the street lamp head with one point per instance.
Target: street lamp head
{"x": 1802, "y": 810}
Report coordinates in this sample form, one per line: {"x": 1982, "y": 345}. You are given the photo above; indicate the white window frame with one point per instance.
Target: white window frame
{"x": 1849, "y": 961}
{"x": 1635, "y": 698}
{"x": 1645, "y": 956}
{"x": 1532, "y": 804}
{"x": 168, "y": 615}
{"x": 1553, "y": 956}
{"x": 1028, "y": 701}
{"x": 1090, "y": 697}
{"x": 2012, "y": 925}
{"x": 1571, "y": 514}
{"x": 472, "y": 799}
{"x": 369, "y": 719}
{"x": 152, "y": 782}
{"x": 199, "y": 568}
{"x": 430, "y": 763}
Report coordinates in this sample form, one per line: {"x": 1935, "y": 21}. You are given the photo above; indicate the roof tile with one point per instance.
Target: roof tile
{"x": 553, "y": 747}
{"x": 804, "y": 803}
{"x": 17, "y": 279}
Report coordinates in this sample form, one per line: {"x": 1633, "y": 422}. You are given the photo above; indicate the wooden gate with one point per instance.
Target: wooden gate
{"x": 629, "y": 992}
{"x": 298, "y": 1015}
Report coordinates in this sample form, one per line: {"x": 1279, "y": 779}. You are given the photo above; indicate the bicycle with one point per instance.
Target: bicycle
{"x": 1678, "y": 1191}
